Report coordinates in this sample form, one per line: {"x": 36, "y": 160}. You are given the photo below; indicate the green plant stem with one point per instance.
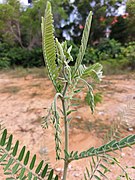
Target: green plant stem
{"x": 65, "y": 170}
{"x": 66, "y": 125}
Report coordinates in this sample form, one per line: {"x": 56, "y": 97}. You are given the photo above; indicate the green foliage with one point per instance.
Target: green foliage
{"x": 65, "y": 78}
{"x": 20, "y": 25}
{"x": 108, "y": 147}
{"x": 97, "y": 98}
{"x": 99, "y": 167}
{"x": 114, "y": 57}
{"x": 75, "y": 49}
{"x": 54, "y": 117}
{"x": 17, "y": 164}
{"x": 119, "y": 30}
{"x": 129, "y": 53}
{"x": 103, "y": 13}
{"x": 4, "y": 63}
{"x": 108, "y": 48}
{"x": 4, "y": 60}
{"x": 22, "y": 57}
{"x": 83, "y": 42}
{"x": 17, "y": 56}
{"x": 114, "y": 60}
{"x": 91, "y": 56}
{"x": 115, "y": 66}
{"x": 49, "y": 48}
{"x": 130, "y": 9}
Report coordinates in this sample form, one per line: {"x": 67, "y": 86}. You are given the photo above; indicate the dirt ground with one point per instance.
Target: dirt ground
{"x": 24, "y": 101}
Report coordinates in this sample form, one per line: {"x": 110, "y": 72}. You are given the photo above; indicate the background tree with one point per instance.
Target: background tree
{"x": 130, "y": 9}
{"x": 21, "y": 25}
{"x": 9, "y": 21}
{"x": 20, "y": 28}
{"x": 119, "y": 29}
{"x": 102, "y": 17}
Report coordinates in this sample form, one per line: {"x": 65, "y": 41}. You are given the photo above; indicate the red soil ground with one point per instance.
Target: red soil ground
{"x": 23, "y": 101}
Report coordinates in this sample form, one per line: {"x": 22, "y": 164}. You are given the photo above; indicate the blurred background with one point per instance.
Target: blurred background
{"x": 111, "y": 42}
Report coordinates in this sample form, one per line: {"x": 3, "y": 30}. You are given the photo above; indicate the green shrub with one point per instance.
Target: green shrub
{"x": 109, "y": 47}
{"x": 115, "y": 66}
{"x": 17, "y": 56}
{"x": 25, "y": 57}
{"x": 4, "y": 48}
{"x": 91, "y": 56}
{"x": 4, "y": 63}
{"x": 4, "y": 60}
{"x": 110, "y": 54}
{"x": 129, "y": 53}
{"x": 102, "y": 56}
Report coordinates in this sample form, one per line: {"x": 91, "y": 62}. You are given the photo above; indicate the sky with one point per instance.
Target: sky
{"x": 24, "y": 1}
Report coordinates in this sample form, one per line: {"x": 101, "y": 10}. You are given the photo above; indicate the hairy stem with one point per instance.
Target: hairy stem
{"x": 66, "y": 125}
